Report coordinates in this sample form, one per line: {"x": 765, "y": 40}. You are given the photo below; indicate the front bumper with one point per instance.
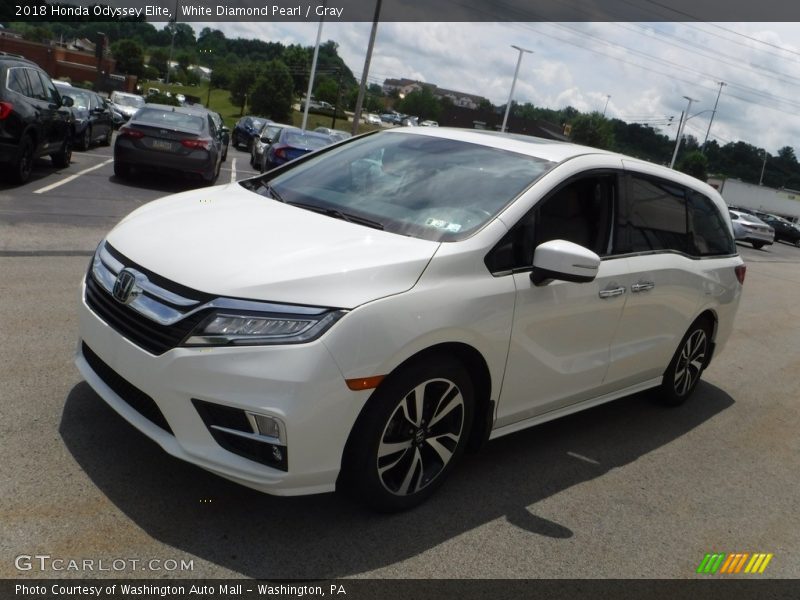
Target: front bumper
{"x": 299, "y": 385}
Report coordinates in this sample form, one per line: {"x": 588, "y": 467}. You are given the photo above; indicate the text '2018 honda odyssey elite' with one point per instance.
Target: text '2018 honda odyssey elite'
{"x": 354, "y": 318}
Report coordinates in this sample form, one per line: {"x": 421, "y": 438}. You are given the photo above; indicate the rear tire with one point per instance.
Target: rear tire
{"x": 121, "y": 170}
{"x": 409, "y": 436}
{"x": 687, "y": 365}
{"x": 23, "y": 167}
{"x": 107, "y": 139}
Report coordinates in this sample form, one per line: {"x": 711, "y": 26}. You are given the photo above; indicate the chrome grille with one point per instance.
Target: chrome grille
{"x": 157, "y": 320}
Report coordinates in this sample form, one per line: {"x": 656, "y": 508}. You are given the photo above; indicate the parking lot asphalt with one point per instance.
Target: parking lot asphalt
{"x": 628, "y": 489}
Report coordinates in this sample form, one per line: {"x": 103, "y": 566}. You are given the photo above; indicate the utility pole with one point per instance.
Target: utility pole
{"x": 713, "y": 113}
{"x": 313, "y": 73}
{"x": 363, "y": 87}
{"x": 513, "y": 84}
{"x": 680, "y": 130}
{"x": 763, "y": 166}
{"x": 338, "y": 98}
{"x": 173, "y": 29}
{"x": 608, "y": 97}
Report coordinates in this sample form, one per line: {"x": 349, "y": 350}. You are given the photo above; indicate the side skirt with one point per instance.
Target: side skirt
{"x": 573, "y": 408}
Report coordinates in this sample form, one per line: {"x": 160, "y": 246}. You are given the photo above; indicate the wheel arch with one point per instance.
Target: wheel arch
{"x": 477, "y": 369}
{"x": 710, "y": 316}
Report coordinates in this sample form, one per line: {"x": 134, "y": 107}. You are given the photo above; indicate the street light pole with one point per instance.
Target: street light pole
{"x": 713, "y": 113}
{"x": 680, "y": 130}
{"x": 763, "y": 166}
{"x": 608, "y": 97}
{"x": 513, "y": 84}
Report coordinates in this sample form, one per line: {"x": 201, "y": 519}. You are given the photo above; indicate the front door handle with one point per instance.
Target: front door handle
{"x": 611, "y": 292}
{"x": 642, "y": 286}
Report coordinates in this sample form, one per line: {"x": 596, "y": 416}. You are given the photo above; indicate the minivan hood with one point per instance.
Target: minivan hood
{"x": 232, "y": 242}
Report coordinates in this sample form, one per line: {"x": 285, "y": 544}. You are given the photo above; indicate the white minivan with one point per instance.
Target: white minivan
{"x": 356, "y": 318}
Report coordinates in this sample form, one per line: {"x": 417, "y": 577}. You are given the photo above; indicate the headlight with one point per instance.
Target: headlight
{"x": 298, "y": 325}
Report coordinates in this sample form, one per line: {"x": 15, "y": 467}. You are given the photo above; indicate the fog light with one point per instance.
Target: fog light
{"x": 277, "y": 454}
{"x": 268, "y": 426}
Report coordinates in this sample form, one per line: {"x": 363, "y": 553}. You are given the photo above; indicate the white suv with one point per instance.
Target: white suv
{"x": 357, "y": 317}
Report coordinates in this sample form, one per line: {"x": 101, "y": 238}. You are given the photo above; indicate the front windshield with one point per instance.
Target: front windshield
{"x": 422, "y": 186}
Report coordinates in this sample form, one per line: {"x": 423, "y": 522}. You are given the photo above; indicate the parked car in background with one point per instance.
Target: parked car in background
{"x": 174, "y": 139}
{"x": 262, "y": 141}
{"x": 246, "y": 130}
{"x": 316, "y": 105}
{"x": 35, "y": 119}
{"x": 371, "y": 118}
{"x": 429, "y": 123}
{"x": 784, "y": 230}
{"x": 93, "y": 119}
{"x": 392, "y": 118}
{"x": 356, "y": 318}
{"x": 290, "y": 143}
{"x": 337, "y": 135}
{"x": 223, "y": 133}
{"x": 126, "y": 104}
{"x": 749, "y": 228}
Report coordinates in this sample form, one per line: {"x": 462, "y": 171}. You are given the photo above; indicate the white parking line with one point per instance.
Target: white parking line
{"x": 233, "y": 170}
{"x": 53, "y": 186}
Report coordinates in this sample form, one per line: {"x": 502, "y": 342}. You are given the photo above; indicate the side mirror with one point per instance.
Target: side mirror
{"x": 565, "y": 261}
{"x": 225, "y": 129}
{"x": 266, "y": 139}
{"x": 67, "y": 101}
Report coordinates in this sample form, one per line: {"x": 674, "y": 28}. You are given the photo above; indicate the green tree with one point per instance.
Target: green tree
{"x": 592, "y": 130}
{"x": 129, "y": 56}
{"x": 220, "y": 79}
{"x": 326, "y": 90}
{"x": 298, "y": 60}
{"x": 272, "y": 92}
{"x": 186, "y": 58}
{"x": 421, "y": 103}
{"x": 158, "y": 60}
{"x": 241, "y": 82}
{"x": 694, "y": 163}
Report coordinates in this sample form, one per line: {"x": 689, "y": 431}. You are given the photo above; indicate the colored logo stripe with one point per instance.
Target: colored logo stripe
{"x": 734, "y": 563}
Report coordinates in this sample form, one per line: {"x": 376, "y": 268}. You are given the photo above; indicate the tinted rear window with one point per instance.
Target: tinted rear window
{"x": 170, "y": 119}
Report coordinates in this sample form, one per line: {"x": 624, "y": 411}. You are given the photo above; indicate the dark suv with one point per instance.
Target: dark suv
{"x": 33, "y": 119}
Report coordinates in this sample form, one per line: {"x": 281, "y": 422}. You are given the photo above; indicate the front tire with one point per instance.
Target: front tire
{"x": 758, "y": 245}
{"x": 62, "y": 158}
{"x": 687, "y": 365}
{"x": 410, "y": 435}
{"x": 86, "y": 139}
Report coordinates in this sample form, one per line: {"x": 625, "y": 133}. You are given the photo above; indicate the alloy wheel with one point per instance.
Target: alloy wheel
{"x": 420, "y": 437}
{"x": 690, "y": 362}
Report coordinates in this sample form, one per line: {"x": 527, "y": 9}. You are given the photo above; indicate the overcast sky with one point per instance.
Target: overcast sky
{"x": 646, "y": 69}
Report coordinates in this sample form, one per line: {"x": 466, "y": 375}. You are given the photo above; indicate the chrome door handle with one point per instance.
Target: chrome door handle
{"x": 642, "y": 286}
{"x": 611, "y": 292}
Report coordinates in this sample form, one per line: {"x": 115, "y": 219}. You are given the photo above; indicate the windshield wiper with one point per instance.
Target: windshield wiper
{"x": 273, "y": 192}
{"x": 337, "y": 214}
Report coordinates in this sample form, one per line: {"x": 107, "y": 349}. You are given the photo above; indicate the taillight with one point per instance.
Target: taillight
{"x": 196, "y": 144}
{"x": 131, "y": 133}
{"x": 280, "y": 152}
{"x": 740, "y": 273}
{"x": 5, "y": 109}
